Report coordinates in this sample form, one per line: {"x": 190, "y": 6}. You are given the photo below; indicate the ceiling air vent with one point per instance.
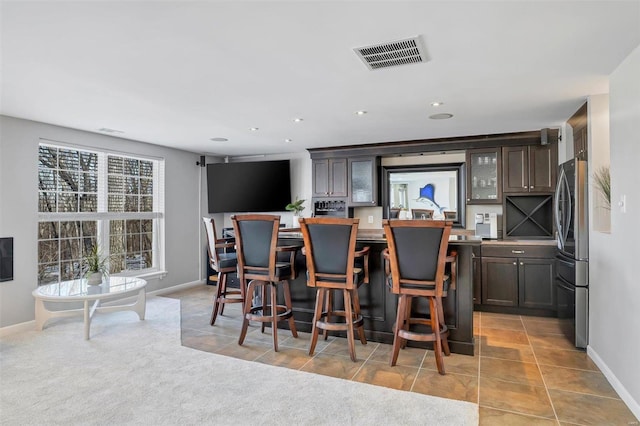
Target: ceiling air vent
{"x": 392, "y": 54}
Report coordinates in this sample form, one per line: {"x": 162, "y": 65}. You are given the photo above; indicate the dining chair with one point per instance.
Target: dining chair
{"x": 330, "y": 249}
{"x": 417, "y": 255}
{"x": 257, "y": 248}
{"x": 224, "y": 263}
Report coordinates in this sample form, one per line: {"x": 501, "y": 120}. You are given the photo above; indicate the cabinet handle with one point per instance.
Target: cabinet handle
{"x": 373, "y": 202}
{"x": 331, "y": 193}
{"x": 515, "y": 263}
{"x": 521, "y": 263}
{"x": 517, "y": 251}
{"x": 525, "y": 187}
{"x": 531, "y": 187}
{"x": 326, "y": 193}
{"x": 468, "y": 199}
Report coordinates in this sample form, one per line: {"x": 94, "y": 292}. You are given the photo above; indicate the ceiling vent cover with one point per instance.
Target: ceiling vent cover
{"x": 392, "y": 54}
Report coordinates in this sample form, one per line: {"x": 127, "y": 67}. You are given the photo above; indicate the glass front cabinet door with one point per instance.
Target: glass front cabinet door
{"x": 484, "y": 176}
{"x": 363, "y": 181}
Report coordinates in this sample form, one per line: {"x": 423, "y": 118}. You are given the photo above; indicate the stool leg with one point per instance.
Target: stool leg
{"x": 245, "y": 312}
{"x": 445, "y": 341}
{"x": 216, "y": 301}
{"x": 397, "y": 340}
{"x": 274, "y": 315}
{"x": 356, "y": 310}
{"x": 223, "y": 277}
{"x": 328, "y": 307}
{"x": 407, "y": 317}
{"x": 349, "y": 319}
{"x": 264, "y": 304}
{"x": 435, "y": 326}
{"x": 317, "y": 315}
{"x": 289, "y": 305}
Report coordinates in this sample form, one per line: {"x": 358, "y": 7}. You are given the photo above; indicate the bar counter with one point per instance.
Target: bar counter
{"x": 377, "y": 302}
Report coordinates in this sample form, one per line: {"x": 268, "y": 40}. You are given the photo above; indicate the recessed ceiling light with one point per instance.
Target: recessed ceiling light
{"x": 443, "y": 116}
{"x": 219, "y": 139}
{"x": 288, "y": 140}
{"x": 361, "y": 112}
{"x": 253, "y": 129}
{"x": 297, "y": 120}
{"x": 437, "y": 104}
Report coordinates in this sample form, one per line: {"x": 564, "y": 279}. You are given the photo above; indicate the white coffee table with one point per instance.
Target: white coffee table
{"x": 80, "y": 291}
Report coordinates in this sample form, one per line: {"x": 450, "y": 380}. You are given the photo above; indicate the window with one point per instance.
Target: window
{"x": 89, "y": 198}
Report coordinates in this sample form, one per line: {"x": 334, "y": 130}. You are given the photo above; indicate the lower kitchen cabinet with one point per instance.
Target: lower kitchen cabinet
{"x": 519, "y": 277}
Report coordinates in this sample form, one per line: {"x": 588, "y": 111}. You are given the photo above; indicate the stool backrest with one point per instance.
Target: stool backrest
{"x": 422, "y": 213}
{"x": 256, "y": 242}
{"x": 212, "y": 239}
{"x": 417, "y": 255}
{"x": 330, "y": 245}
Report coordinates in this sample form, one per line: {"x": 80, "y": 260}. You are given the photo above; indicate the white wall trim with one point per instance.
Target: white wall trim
{"x": 633, "y": 405}
{"x": 18, "y": 328}
{"x": 30, "y": 325}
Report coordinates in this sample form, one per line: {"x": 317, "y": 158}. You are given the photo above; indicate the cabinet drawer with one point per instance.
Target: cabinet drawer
{"x": 518, "y": 251}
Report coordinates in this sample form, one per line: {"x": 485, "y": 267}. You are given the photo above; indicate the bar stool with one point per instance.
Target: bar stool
{"x": 223, "y": 263}
{"x": 417, "y": 254}
{"x": 257, "y": 249}
{"x": 330, "y": 248}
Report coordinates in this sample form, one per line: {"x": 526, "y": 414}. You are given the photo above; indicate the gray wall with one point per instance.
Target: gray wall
{"x": 19, "y": 211}
{"x": 614, "y": 337}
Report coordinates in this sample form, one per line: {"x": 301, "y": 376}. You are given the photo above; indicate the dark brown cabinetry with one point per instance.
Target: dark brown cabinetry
{"x": 530, "y": 169}
{"x": 484, "y": 176}
{"x": 363, "y": 181}
{"x": 519, "y": 276}
{"x": 578, "y": 122}
{"x": 330, "y": 177}
{"x": 477, "y": 274}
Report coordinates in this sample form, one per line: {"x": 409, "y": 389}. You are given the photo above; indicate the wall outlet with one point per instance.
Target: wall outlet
{"x": 370, "y": 219}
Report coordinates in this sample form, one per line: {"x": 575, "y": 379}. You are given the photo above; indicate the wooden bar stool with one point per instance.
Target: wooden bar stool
{"x": 417, "y": 254}
{"x": 330, "y": 247}
{"x": 257, "y": 249}
{"x": 223, "y": 263}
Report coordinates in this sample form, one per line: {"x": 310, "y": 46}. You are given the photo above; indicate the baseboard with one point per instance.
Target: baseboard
{"x": 30, "y": 325}
{"x": 183, "y": 286}
{"x": 18, "y": 328}
{"x": 633, "y": 405}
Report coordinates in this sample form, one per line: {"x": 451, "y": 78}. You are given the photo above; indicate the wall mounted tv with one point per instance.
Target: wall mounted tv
{"x": 263, "y": 186}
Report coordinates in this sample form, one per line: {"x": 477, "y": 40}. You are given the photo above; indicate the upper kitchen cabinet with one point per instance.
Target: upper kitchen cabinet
{"x": 578, "y": 122}
{"x": 484, "y": 176}
{"x": 530, "y": 169}
{"x": 363, "y": 181}
{"x": 330, "y": 177}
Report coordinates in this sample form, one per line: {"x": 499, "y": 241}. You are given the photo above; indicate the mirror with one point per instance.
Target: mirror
{"x": 414, "y": 191}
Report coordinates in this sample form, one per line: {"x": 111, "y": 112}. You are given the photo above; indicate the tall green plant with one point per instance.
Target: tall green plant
{"x": 602, "y": 179}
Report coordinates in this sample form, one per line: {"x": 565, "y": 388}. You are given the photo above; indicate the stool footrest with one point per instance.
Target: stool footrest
{"x": 284, "y": 313}
{"x": 428, "y": 336}
{"x": 325, "y": 325}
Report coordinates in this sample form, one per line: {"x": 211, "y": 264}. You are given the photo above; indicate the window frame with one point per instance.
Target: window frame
{"x": 103, "y": 217}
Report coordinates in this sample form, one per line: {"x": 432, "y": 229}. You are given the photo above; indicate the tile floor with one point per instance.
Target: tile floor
{"x": 523, "y": 372}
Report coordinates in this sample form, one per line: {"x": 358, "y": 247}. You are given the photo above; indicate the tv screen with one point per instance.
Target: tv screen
{"x": 263, "y": 186}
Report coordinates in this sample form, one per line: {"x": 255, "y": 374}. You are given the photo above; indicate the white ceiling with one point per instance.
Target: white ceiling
{"x": 178, "y": 73}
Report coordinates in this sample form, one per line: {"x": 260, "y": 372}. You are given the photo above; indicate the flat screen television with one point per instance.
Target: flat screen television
{"x": 262, "y": 186}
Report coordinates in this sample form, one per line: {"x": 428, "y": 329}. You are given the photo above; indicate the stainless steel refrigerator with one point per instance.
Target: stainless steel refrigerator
{"x": 572, "y": 261}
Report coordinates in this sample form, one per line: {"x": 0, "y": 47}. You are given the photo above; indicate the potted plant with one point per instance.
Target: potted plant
{"x": 296, "y": 207}
{"x": 96, "y": 265}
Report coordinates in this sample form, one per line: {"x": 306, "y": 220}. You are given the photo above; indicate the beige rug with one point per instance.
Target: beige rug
{"x": 136, "y": 372}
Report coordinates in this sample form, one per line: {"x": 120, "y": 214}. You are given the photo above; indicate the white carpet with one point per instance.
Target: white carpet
{"x": 136, "y": 372}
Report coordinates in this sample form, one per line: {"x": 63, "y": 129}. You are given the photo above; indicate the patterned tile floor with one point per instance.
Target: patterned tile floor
{"x": 524, "y": 371}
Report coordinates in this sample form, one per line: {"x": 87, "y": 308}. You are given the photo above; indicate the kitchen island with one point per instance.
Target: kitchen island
{"x": 377, "y": 302}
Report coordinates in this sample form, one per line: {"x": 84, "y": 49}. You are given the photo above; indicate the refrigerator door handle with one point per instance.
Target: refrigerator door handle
{"x": 556, "y": 209}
